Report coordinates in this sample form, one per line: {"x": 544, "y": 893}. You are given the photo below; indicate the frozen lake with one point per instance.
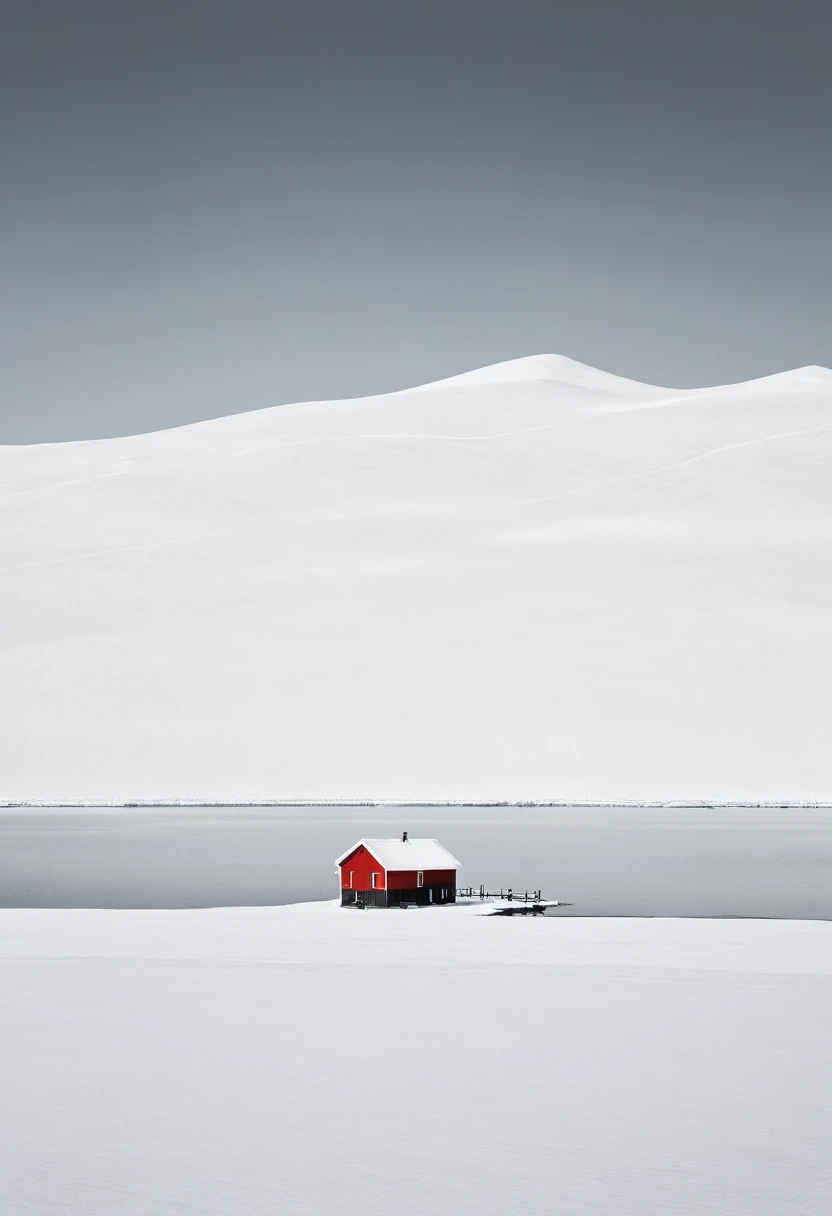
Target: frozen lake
{"x": 606, "y": 861}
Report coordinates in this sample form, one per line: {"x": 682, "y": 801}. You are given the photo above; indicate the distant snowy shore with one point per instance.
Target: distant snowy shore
{"x": 276, "y": 1059}
{"x": 679, "y": 804}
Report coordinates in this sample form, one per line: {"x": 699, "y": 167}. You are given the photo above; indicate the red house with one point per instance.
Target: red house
{"x": 389, "y": 873}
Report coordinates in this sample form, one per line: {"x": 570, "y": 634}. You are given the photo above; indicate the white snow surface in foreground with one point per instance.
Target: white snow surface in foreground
{"x": 310, "y": 1060}
{"x": 536, "y": 580}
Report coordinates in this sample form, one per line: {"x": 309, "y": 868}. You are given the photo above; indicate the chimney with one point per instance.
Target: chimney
{"x": 404, "y": 837}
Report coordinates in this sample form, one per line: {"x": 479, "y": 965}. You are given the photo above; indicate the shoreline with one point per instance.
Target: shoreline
{"x": 393, "y": 803}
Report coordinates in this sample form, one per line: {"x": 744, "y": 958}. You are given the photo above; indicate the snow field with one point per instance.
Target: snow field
{"x": 303, "y": 1059}
{"x": 533, "y": 581}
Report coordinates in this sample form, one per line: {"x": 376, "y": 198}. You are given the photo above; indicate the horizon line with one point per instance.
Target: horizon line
{"x": 563, "y": 803}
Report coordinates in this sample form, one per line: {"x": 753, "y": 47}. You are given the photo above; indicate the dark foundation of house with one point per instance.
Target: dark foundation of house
{"x": 442, "y": 894}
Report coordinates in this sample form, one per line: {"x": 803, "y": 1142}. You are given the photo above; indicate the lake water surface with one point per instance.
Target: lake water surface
{"x": 604, "y": 861}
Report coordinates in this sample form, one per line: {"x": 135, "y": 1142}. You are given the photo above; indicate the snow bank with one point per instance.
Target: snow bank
{"x": 536, "y": 581}
{"x": 311, "y": 1060}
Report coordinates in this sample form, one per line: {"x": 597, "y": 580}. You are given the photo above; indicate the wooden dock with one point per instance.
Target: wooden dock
{"x": 513, "y": 903}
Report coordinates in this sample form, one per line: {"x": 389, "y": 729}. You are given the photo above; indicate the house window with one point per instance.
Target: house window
{"x": 350, "y": 883}
{"x": 420, "y": 878}
{"x": 375, "y": 878}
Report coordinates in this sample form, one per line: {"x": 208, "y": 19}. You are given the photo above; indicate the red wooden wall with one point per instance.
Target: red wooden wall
{"x": 405, "y": 880}
{"x": 362, "y": 864}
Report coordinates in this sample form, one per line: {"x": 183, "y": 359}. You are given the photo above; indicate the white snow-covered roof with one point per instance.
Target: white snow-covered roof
{"x": 406, "y": 854}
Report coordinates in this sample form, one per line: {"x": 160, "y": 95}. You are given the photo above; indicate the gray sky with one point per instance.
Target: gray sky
{"x": 210, "y": 207}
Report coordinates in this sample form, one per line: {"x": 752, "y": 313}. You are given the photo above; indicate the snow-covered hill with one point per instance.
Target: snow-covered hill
{"x": 536, "y": 580}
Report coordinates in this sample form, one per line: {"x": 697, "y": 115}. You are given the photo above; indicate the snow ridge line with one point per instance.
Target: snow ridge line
{"x": 682, "y": 397}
